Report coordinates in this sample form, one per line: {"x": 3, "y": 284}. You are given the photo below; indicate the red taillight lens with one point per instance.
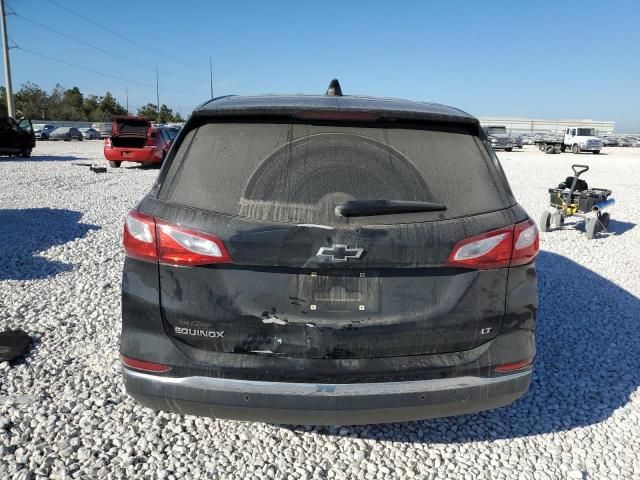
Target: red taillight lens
{"x": 182, "y": 246}
{"x": 147, "y": 238}
{"x": 526, "y": 243}
{"x": 513, "y": 366}
{"x": 145, "y": 366}
{"x": 488, "y": 250}
{"x": 514, "y": 245}
{"x": 140, "y": 236}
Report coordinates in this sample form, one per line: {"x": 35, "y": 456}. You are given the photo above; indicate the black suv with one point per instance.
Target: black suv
{"x": 16, "y": 138}
{"x": 328, "y": 259}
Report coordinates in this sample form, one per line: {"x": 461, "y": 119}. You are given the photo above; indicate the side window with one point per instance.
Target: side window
{"x": 573, "y": 131}
{"x": 25, "y": 124}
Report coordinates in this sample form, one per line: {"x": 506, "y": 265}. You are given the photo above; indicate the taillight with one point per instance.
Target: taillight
{"x": 488, "y": 250}
{"x": 146, "y": 238}
{"x": 145, "y": 366}
{"x": 182, "y": 246}
{"x": 526, "y": 243}
{"x": 514, "y": 245}
{"x": 140, "y": 236}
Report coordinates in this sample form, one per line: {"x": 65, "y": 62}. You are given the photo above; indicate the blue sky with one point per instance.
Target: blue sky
{"x": 562, "y": 59}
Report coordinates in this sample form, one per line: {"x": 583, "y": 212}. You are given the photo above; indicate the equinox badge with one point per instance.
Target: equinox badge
{"x": 340, "y": 253}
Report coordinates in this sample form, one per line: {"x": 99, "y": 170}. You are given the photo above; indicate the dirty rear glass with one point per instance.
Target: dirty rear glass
{"x": 299, "y": 173}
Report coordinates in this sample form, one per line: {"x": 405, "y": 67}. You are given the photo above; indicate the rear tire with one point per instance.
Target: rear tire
{"x": 596, "y": 152}
{"x": 26, "y": 153}
{"x": 545, "y": 221}
{"x": 575, "y": 149}
{"x": 508, "y": 149}
{"x": 114, "y": 164}
{"x": 591, "y": 228}
{"x": 604, "y": 220}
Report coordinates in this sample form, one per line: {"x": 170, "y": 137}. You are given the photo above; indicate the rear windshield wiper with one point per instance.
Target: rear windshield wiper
{"x": 365, "y": 208}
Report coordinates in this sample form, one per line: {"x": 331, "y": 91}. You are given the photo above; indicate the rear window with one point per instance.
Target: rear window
{"x": 132, "y": 126}
{"x": 299, "y": 173}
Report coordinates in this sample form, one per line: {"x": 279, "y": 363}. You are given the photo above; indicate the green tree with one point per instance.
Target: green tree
{"x": 72, "y": 106}
{"x": 91, "y": 107}
{"x": 109, "y": 105}
{"x": 54, "y": 103}
{"x": 149, "y": 111}
{"x": 165, "y": 115}
{"x": 32, "y": 101}
{"x": 178, "y": 118}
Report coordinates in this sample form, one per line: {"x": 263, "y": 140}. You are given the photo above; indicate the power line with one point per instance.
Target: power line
{"x": 104, "y": 74}
{"x": 64, "y": 62}
{"x": 107, "y": 29}
{"x": 100, "y": 49}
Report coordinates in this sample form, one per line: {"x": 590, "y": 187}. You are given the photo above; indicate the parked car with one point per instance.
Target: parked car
{"x": 498, "y": 137}
{"x": 16, "y": 137}
{"x": 173, "y": 130}
{"x": 133, "y": 139}
{"x": 104, "y": 128}
{"x": 66, "y": 134}
{"x": 312, "y": 260}
{"x": 89, "y": 133}
{"x": 42, "y": 130}
{"x": 516, "y": 140}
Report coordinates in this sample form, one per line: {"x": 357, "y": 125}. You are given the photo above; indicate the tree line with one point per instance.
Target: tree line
{"x": 60, "y": 104}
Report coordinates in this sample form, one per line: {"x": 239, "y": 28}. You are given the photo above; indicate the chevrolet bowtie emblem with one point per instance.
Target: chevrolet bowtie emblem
{"x": 340, "y": 253}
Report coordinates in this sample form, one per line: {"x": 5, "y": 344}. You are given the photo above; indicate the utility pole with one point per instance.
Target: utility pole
{"x": 7, "y": 66}
{"x": 157, "y": 96}
{"x": 211, "y": 76}
{"x": 126, "y": 92}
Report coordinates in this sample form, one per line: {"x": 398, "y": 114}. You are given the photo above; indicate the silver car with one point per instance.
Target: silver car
{"x": 42, "y": 130}
{"x": 66, "y": 134}
{"x": 89, "y": 133}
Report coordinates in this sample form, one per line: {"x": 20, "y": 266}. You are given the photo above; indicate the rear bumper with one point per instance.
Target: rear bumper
{"x": 324, "y": 404}
{"x": 140, "y": 155}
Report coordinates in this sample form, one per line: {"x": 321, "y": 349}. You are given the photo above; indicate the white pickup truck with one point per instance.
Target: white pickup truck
{"x": 576, "y": 139}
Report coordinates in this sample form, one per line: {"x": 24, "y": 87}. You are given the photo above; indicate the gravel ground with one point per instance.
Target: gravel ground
{"x": 63, "y": 412}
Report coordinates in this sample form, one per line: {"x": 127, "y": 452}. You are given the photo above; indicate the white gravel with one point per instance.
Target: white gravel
{"x": 63, "y": 412}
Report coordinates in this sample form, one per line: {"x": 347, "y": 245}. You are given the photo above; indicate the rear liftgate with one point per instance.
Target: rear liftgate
{"x": 305, "y": 291}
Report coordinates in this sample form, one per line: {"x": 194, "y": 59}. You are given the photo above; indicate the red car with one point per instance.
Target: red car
{"x": 134, "y": 139}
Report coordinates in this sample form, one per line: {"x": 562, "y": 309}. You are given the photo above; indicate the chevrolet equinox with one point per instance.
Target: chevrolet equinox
{"x": 328, "y": 259}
